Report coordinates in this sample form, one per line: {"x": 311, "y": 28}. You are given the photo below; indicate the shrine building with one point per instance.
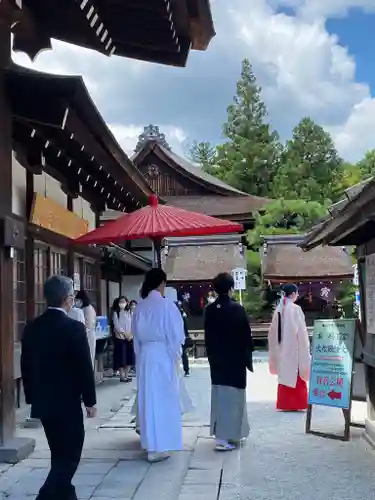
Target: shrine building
{"x": 318, "y": 274}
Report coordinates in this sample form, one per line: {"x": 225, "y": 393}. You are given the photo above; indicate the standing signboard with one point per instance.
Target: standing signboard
{"x": 239, "y": 276}
{"x": 370, "y": 293}
{"x": 331, "y": 374}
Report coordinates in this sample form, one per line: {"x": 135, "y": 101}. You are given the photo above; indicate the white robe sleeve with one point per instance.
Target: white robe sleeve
{"x": 175, "y": 330}
{"x": 90, "y": 317}
{"x": 304, "y": 357}
{"x": 77, "y": 314}
{"x": 273, "y": 345}
{"x": 136, "y": 344}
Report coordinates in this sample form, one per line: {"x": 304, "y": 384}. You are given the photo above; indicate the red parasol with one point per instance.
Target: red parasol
{"x": 156, "y": 222}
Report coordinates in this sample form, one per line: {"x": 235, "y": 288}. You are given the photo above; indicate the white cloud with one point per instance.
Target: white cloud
{"x": 306, "y": 72}
{"x": 302, "y": 68}
{"x": 127, "y": 136}
{"x": 357, "y": 134}
{"x": 312, "y": 9}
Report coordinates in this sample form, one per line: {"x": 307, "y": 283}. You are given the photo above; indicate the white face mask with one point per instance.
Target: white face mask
{"x": 211, "y": 300}
{"x": 122, "y": 305}
{"x": 78, "y": 303}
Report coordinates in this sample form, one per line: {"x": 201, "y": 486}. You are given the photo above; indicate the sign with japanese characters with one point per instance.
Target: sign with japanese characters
{"x": 239, "y": 276}
{"x": 332, "y": 363}
{"x": 370, "y": 293}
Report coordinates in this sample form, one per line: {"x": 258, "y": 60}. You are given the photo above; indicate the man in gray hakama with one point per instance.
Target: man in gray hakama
{"x": 229, "y": 349}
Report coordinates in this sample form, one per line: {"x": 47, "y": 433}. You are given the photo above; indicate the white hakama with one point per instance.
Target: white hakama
{"x": 158, "y": 336}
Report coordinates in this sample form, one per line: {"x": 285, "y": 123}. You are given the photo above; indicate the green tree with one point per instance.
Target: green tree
{"x": 249, "y": 158}
{"x": 285, "y": 217}
{"x": 310, "y": 166}
{"x": 367, "y": 165}
{"x": 204, "y": 154}
{"x": 278, "y": 217}
{"x": 351, "y": 174}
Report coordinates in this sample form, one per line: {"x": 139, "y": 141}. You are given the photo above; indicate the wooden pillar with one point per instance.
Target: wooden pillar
{"x": 29, "y": 251}
{"x": 70, "y": 256}
{"x": 98, "y": 272}
{"x": 11, "y": 450}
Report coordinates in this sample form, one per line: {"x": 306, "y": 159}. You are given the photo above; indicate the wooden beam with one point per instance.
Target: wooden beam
{"x": 111, "y": 163}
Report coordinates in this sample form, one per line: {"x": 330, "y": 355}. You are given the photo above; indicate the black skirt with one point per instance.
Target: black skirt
{"x": 123, "y": 354}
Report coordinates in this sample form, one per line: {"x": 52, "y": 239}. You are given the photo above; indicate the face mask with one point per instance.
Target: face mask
{"x": 69, "y": 304}
{"x": 122, "y": 305}
{"x": 211, "y": 300}
{"x": 78, "y": 303}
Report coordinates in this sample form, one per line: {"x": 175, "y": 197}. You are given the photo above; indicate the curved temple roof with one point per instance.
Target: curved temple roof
{"x": 55, "y": 116}
{"x": 161, "y": 31}
{"x": 283, "y": 260}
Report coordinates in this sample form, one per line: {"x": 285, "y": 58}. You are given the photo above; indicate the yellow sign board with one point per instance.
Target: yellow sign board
{"x": 50, "y": 215}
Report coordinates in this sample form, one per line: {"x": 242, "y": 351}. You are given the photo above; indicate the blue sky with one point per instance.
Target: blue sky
{"x": 356, "y": 31}
{"x": 312, "y": 58}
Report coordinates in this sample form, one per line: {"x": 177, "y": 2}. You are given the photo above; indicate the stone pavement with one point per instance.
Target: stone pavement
{"x": 279, "y": 462}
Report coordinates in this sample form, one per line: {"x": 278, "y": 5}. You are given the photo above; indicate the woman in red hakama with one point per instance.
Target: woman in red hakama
{"x": 292, "y": 398}
{"x": 289, "y": 352}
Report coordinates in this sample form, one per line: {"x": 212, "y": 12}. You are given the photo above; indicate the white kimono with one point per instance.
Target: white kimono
{"x": 158, "y": 336}
{"x": 291, "y": 357}
{"x": 90, "y": 323}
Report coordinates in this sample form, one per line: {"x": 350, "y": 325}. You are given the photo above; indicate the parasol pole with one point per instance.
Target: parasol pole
{"x": 157, "y": 251}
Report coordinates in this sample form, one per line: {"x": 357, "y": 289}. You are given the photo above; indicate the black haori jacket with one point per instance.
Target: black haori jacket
{"x": 229, "y": 342}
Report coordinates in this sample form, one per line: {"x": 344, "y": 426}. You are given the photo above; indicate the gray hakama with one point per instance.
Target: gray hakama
{"x": 229, "y": 420}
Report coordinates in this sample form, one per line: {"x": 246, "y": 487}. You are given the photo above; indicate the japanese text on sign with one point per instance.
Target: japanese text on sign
{"x": 370, "y": 293}
{"x": 332, "y": 363}
{"x": 239, "y": 276}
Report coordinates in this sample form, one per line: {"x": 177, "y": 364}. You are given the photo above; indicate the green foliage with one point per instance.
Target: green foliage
{"x": 279, "y": 217}
{"x": 350, "y": 175}
{"x": 249, "y": 158}
{"x": 367, "y": 165}
{"x": 310, "y": 165}
{"x": 254, "y": 296}
{"x": 345, "y": 296}
{"x": 285, "y": 217}
{"x": 203, "y": 153}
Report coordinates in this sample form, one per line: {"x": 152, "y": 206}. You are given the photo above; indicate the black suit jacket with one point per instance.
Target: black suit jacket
{"x": 56, "y": 365}
{"x": 229, "y": 342}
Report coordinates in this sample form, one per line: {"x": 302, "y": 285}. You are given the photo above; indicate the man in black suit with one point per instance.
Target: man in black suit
{"x": 57, "y": 376}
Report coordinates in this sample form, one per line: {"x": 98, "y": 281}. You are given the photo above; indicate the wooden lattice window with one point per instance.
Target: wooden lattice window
{"x": 59, "y": 264}
{"x": 19, "y": 293}
{"x": 90, "y": 281}
{"x": 41, "y": 269}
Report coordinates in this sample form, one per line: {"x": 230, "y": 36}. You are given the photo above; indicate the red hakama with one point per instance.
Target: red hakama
{"x": 292, "y": 398}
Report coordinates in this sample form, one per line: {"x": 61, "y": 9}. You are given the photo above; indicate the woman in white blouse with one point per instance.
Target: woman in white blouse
{"x": 82, "y": 301}
{"x": 121, "y": 325}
